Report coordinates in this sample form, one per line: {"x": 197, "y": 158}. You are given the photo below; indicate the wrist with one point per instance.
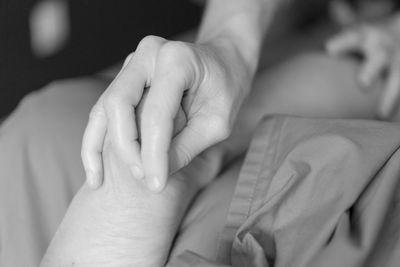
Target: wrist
{"x": 233, "y": 54}
{"x": 241, "y": 23}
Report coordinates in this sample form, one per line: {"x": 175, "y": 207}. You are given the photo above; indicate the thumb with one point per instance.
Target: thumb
{"x": 199, "y": 134}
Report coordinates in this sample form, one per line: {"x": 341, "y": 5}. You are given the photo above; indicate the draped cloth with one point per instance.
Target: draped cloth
{"x": 310, "y": 192}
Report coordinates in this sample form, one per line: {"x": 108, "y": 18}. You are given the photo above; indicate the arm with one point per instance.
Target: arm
{"x": 240, "y": 23}
{"x": 238, "y": 27}
{"x": 122, "y": 223}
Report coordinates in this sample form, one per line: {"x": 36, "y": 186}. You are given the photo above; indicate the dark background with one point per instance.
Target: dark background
{"x": 102, "y": 33}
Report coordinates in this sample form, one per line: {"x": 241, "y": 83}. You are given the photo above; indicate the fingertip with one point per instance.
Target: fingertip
{"x": 155, "y": 184}
{"x": 93, "y": 180}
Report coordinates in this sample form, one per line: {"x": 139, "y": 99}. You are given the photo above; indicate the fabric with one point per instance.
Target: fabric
{"x": 310, "y": 192}
{"x": 204, "y": 223}
{"x": 40, "y": 167}
{"x": 41, "y": 170}
{"x": 314, "y": 193}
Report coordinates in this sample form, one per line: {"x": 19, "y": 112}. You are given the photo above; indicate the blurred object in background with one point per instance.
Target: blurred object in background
{"x": 45, "y": 40}
{"x": 347, "y": 13}
{"x": 49, "y": 27}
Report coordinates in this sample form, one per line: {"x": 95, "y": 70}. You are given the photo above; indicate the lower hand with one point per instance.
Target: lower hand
{"x": 121, "y": 224}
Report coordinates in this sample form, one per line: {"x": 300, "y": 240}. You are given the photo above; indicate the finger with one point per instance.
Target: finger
{"x": 127, "y": 60}
{"x": 375, "y": 64}
{"x": 199, "y": 134}
{"x": 123, "y": 96}
{"x": 92, "y": 146}
{"x": 179, "y": 121}
{"x": 391, "y": 96}
{"x": 159, "y": 112}
{"x": 344, "y": 43}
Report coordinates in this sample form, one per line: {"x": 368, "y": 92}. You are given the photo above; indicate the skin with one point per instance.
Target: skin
{"x": 122, "y": 223}
{"x": 379, "y": 44}
{"x": 209, "y": 78}
{"x": 141, "y": 225}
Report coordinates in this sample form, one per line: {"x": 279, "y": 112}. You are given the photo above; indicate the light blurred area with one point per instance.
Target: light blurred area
{"x": 350, "y": 12}
{"x": 46, "y": 40}
{"x": 49, "y": 23}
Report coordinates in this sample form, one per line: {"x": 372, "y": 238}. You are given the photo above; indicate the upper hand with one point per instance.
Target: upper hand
{"x": 208, "y": 81}
{"x": 380, "y": 47}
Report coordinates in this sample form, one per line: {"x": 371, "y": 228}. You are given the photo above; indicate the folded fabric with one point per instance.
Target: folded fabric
{"x": 314, "y": 192}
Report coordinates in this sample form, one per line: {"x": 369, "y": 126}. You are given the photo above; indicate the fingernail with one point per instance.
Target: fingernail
{"x": 92, "y": 180}
{"x": 137, "y": 172}
{"x": 154, "y": 184}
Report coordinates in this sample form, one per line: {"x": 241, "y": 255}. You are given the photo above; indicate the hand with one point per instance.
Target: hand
{"x": 121, "y": 223}
{"x": 208, "y": 80}
{"x": 380, "y": 47}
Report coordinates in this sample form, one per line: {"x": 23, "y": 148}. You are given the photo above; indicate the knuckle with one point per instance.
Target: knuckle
{"x": 150, "y": 42}
{"x": 111, "y": 100}
{"x": 178, "y": 59}
{"x": 96, "y": 112}
{"x": 174, "y": 52}
{"x": 128, "y": 58}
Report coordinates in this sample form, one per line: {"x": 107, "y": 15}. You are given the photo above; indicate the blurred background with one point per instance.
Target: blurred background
{"x": 44, "y": 40}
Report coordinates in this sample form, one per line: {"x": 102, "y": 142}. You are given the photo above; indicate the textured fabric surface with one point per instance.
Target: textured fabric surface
{"x": 314, "y": 193}
{"x": 40, "y": 167}
{"x": 310, "y": 192}
{"x": 317, "y": 193}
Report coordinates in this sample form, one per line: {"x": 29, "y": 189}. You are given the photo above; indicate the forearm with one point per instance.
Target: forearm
{"x": 238, "y": 24}
{"x": 121, "y": 223}
{"x": 237, "y": 29}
